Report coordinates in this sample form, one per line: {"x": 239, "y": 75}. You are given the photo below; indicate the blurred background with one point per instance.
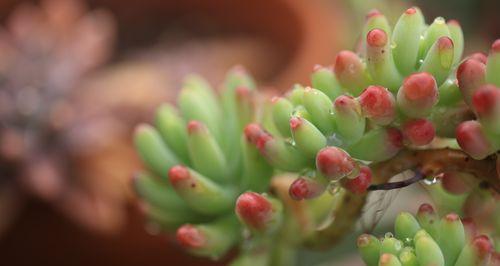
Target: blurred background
{"x": 77, "y": 75}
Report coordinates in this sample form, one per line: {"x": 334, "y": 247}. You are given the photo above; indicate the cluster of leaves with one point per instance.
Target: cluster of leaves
{"x": 198, "y": 150}
{"x": 208, "y": 161}
{"x": 428, "y": 240}
{"x": 416, "y": 98}
{"x": 479, "y": 81}
{"x": 398, "y": 92}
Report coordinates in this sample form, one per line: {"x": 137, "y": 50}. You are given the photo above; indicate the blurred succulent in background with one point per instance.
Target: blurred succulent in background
{"x": 46, "y": 51}
{"x": 429, "y": 240}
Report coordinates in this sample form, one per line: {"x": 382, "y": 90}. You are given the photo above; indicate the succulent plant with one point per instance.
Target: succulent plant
{"x": 429, "y": 240}
{"x": 479, "y": 82}
{"x": 372, "y": 103}
{"x": 398, "y": 95}
{"x": 207, "y": 180}
{"x": 199, "y": 152}
{"x": 392, "y": 106}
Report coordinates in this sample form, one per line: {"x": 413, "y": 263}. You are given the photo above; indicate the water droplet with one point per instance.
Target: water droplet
{"x": 334, "y": 187}
{"x": 439, "y": 20}
{"x": 408, "y": 241}
{"x": 334, "y": 140}
{"x": 421, "y": 61}
{"x": 430, "y": 181}
{"x": 354, "y": 173}
{"x": 394, "y": 45}
{"x": 388, "y": 235}
{"x": 422, "y": 37}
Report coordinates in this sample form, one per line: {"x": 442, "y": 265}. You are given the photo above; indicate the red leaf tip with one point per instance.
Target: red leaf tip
{"x": 411, "y": 11}
{"x": 495, "y": 47}
{"x": 482, "y": 245}
{"x": 420, "y": 86}
{"x": 481, "y": 57}
{"x": 419, "y": 131}
{"x": 373, "y": 13}
{"x": 453, "y": 22}
{"x": 360, "y": 184}
{"x": 178, "y": 174}
{"x": 242, "y": 92}
{"x": 305, "y": 188}
{"x": 363, "y": 240}
{"x": 385, "y": 259}
{"x": 452, "y": 217}
{"x": 344, "y": 102}
{"x": 252, "y": 132}
{"x": 195, "y": 126}
{"x": 254, "y": 209}
{"x": 445, "y": 43}
{"x": 295, "y": 122}
{"x": 344, "y": 60}
{"x": 190, "y": 237}
{"x": 376, "y": 101}
{"x": 376, "y": 38}
{"x": 426, "y": 208}
{"x": 471, "y": 139}
{"x": 334, "y": 163}
{"x": 485, "y": 99}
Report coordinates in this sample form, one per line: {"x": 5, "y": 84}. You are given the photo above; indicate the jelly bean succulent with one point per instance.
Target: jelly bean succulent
{"x": 479, "y": 81}
{"x": 429, "y": 240}
{"x": 196, "y": 151}
{"x": 399, "y": 94}
{"x": 207, "y": 181}
{"x": 238, "y": 170}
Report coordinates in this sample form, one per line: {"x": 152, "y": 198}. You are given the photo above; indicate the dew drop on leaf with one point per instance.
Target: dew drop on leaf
{"x": 334, "y": 187}
{"x": 408, "y": 241}
{"x": 430, "y": 181}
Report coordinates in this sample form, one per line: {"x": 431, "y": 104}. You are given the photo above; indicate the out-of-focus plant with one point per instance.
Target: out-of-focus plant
{"x": 397, "y": 104}
{"x": 46, "y": 52}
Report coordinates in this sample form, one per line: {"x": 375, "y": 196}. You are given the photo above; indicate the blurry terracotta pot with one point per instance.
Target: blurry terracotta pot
{"x": 290, "y": 36}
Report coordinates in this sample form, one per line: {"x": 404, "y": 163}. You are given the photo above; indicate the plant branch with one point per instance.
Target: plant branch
{"x": 400, "y": 184}
{"x": 434, "y": 162}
